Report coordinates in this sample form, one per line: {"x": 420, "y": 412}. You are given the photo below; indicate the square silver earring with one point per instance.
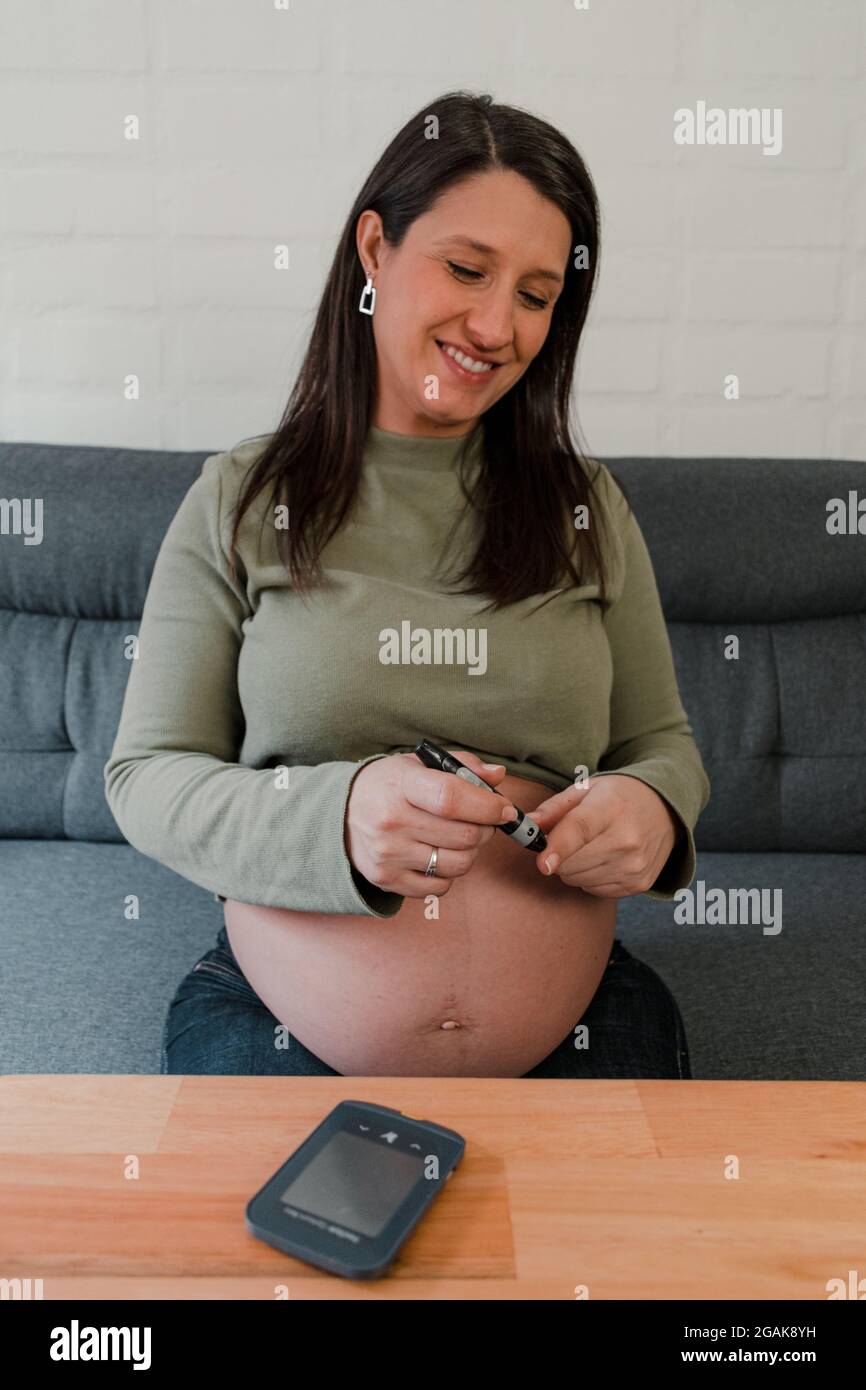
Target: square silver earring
{"x": 369, "y": 289}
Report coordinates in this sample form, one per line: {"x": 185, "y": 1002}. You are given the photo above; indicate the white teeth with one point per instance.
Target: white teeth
{"x": 468, "y": 362}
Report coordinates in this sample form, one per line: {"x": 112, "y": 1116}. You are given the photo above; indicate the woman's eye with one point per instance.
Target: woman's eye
{"x": 457, "y": 270}
{"x": 463, "y": 270}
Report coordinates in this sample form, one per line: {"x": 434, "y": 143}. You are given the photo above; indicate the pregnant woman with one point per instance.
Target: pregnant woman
{"x": 302, "y": 632}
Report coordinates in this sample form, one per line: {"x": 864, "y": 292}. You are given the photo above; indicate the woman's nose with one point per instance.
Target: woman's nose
{"x": 490, "y": 326}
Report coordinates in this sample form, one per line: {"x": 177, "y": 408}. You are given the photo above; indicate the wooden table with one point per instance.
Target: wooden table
{"x": 616, "y": 1185}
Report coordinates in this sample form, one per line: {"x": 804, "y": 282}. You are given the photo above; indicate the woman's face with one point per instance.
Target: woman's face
{"x": 437, "y": 290}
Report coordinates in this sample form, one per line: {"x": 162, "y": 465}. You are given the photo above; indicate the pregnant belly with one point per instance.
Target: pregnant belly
{"x": 489, "y": 987}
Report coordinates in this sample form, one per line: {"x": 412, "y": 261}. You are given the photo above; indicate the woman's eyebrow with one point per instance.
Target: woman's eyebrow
{"x": 492, "y": 252}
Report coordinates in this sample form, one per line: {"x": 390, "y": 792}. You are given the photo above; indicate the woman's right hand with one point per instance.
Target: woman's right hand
{"x": 398, "y": 810}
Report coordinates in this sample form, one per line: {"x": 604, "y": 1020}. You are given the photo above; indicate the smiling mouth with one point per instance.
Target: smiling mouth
{"x": 463, "y": 367}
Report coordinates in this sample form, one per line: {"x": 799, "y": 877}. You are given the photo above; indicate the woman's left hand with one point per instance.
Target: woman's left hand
{"x": 613, "y": 835}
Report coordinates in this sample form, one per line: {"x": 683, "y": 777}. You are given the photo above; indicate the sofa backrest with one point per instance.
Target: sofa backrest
{"x": 740, "y": 550}
{"x": 66, "y": 606}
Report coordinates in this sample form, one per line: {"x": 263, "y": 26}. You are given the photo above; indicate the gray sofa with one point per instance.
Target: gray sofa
{"x": 740, "y": 548}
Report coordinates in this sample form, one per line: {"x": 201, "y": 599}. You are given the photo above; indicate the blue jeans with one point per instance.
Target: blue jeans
{"x": 218, "y": 1026}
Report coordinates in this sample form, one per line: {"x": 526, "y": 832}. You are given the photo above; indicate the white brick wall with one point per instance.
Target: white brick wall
{"x": 155, "y": 257}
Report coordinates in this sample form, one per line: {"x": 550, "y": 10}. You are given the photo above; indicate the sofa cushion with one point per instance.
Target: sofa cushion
{"x": 86, "y": 990}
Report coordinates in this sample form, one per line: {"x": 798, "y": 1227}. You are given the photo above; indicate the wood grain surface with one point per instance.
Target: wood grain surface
{"x": 618, "y": 1186}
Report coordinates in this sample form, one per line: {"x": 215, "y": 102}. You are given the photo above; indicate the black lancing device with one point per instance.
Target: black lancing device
{"x": 523, "y": 830}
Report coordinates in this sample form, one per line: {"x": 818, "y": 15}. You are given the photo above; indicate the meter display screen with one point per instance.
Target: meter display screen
{"x": 355, "y": 1182}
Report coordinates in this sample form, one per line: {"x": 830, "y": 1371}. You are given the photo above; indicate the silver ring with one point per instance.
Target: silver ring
{"x": 430, "y": 871}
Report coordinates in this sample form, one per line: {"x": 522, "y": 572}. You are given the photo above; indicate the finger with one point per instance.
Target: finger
{"x": 450, "y": 863}
{"x": 423, "y": 886}
{"x": 491, "y": 773}
{"x": 488, "y": 772}
{"x": 453, "y": 798}
{"x": 555, "y": 807}
{"x": 602, "y": 890}
{"x": 430, "y": 829}
{"x": 590, "y": 865}
{"x": 612, "y": 870}
{"x": 581, "y": 827}
{"x": 608, "y": 882}
{"x": 604, "y": 882}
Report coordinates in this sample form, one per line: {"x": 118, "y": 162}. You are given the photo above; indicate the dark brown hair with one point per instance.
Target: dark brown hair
{"x": 530, "y": 476}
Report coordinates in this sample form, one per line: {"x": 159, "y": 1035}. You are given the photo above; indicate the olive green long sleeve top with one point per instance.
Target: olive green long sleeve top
{"x": 249, "y": 710}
